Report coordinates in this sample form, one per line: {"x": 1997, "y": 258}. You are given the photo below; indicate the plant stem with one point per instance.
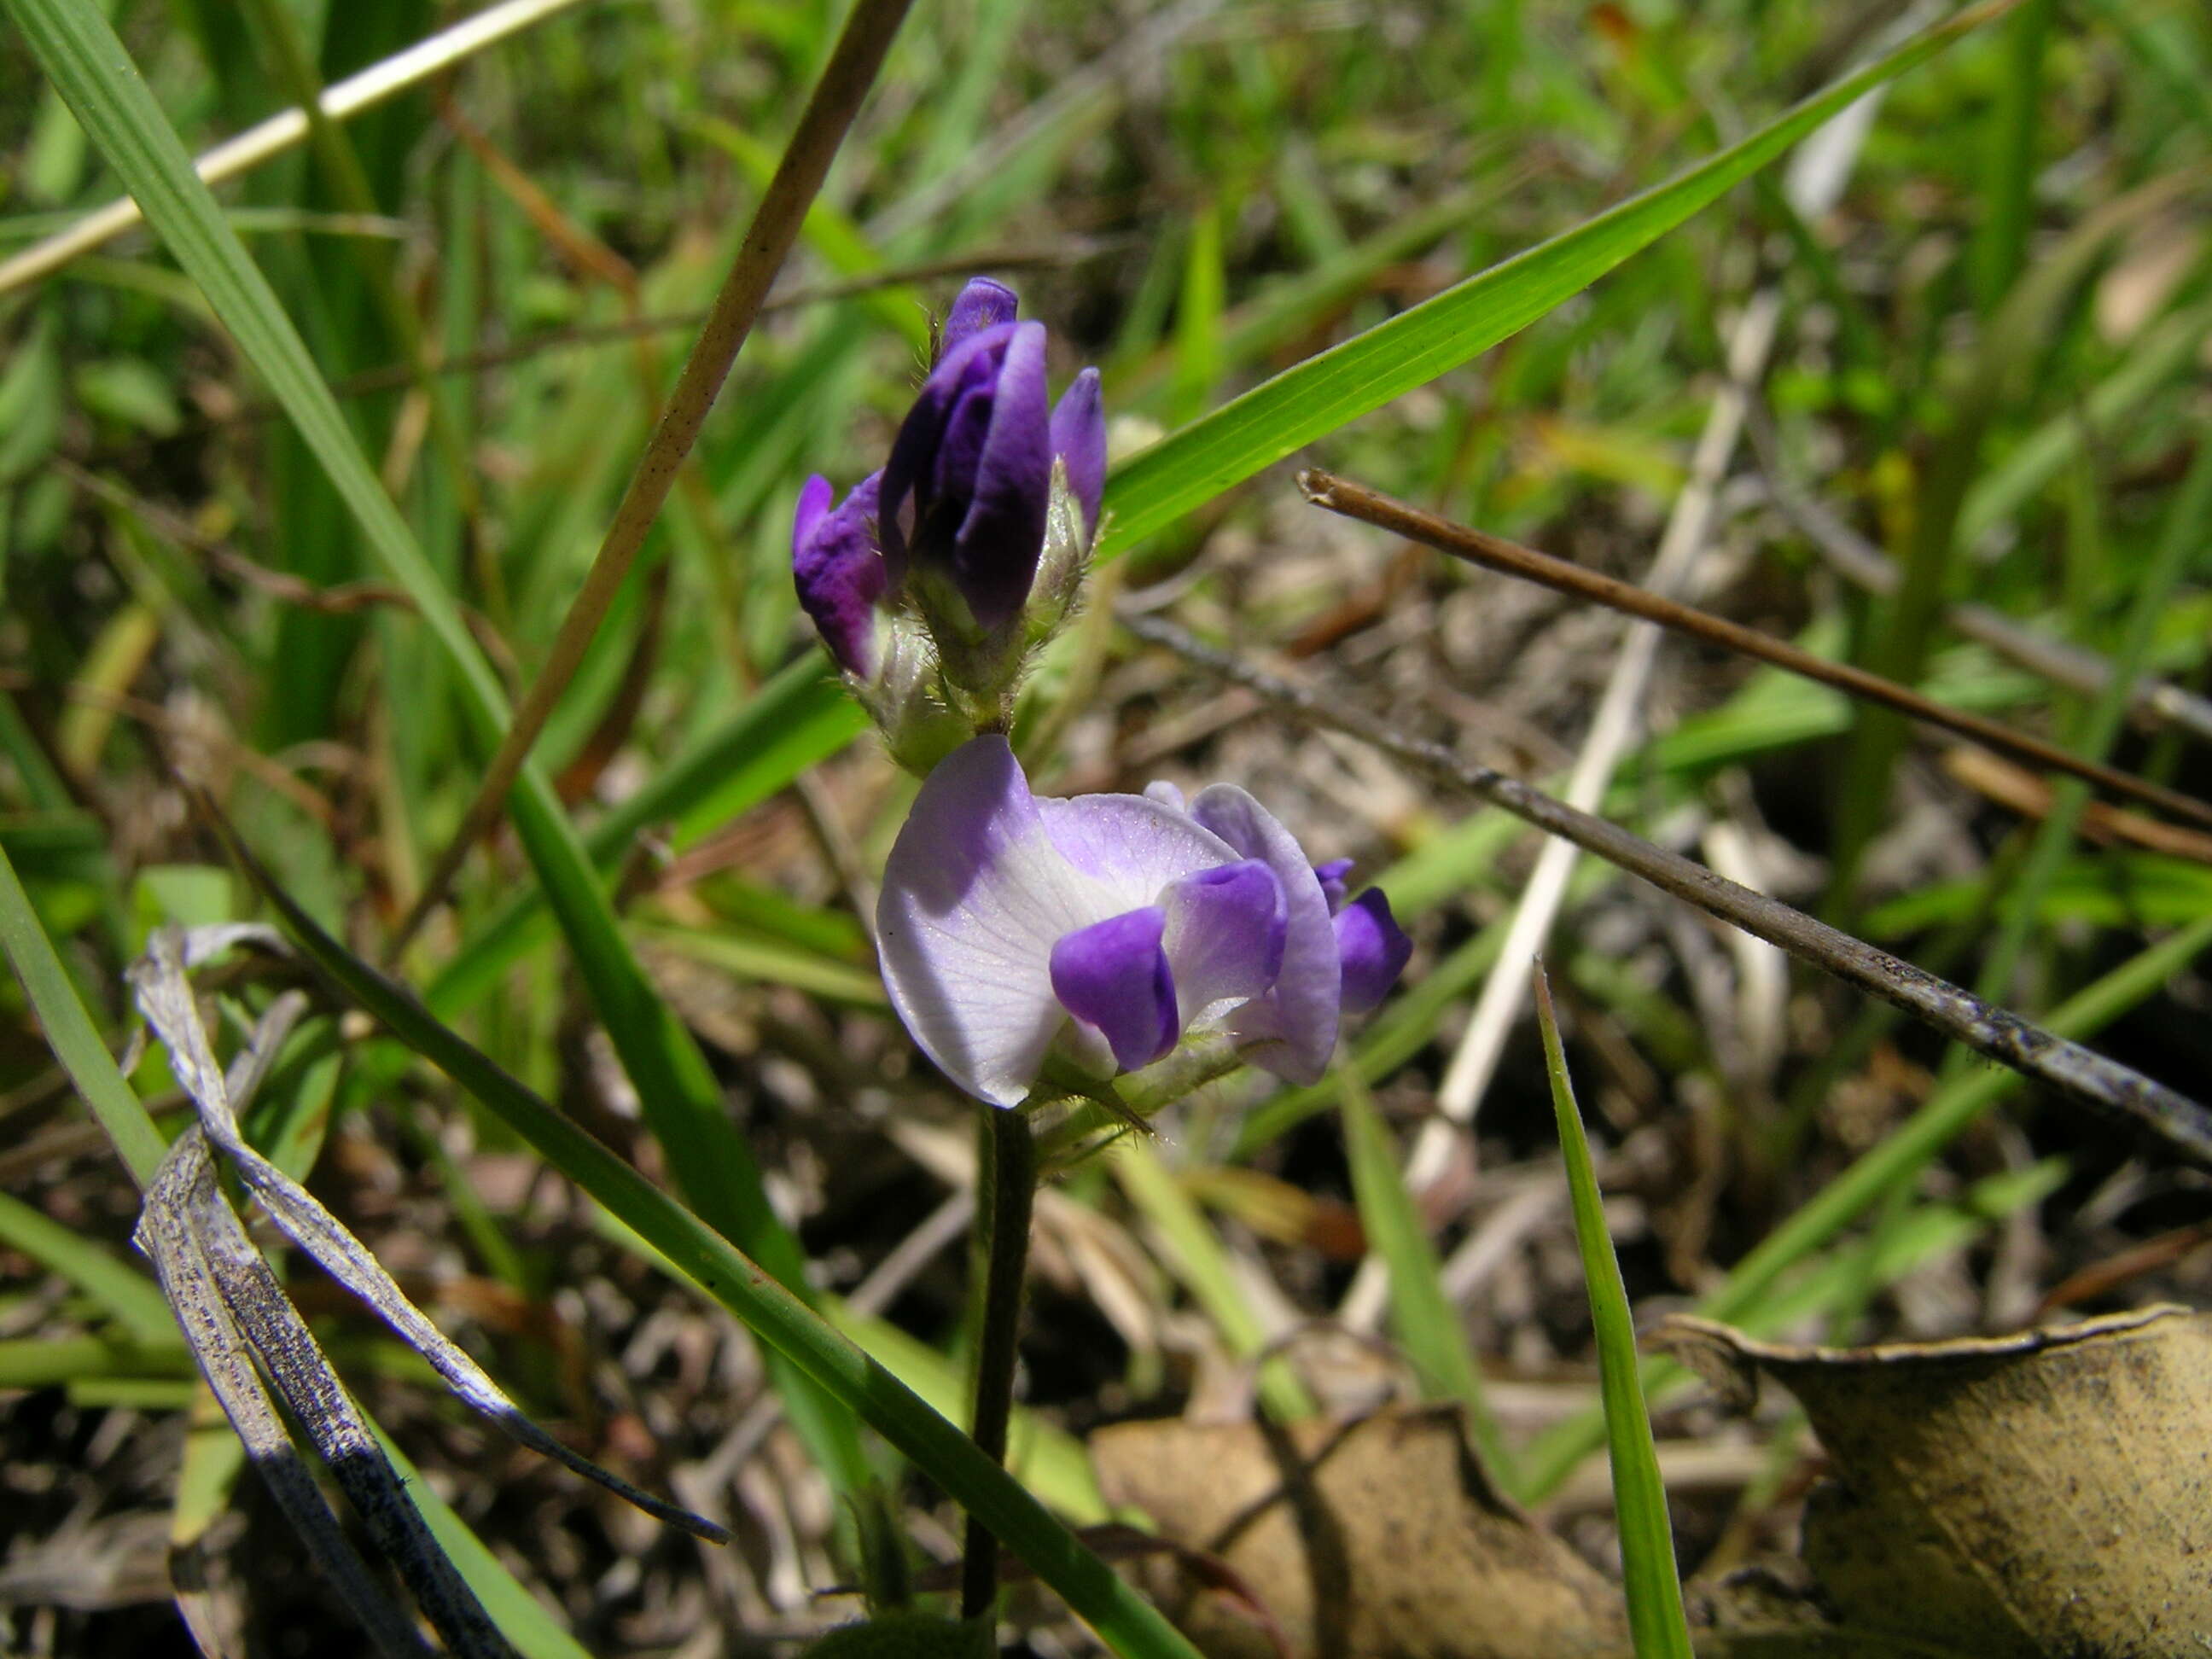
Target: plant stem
{"x": 1008, "y": 1178}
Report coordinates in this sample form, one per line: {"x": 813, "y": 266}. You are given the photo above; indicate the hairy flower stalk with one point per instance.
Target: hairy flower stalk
{"x": 1025, "y": 941}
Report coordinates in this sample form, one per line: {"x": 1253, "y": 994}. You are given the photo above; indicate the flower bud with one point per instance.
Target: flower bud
{"x": 979, "y": 527}
{"x": 838, "y": 569}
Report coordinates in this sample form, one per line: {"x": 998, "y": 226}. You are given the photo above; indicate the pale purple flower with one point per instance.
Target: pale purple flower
{"x": 1113, "y": 927}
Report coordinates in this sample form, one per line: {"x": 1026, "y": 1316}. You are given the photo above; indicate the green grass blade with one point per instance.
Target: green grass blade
{"x": 1655, "y": 1621}
{"x": 1196, "y": 1256}
{"x": 1944, "y": 1116}
{"x": 1269, "y": 422}
{"x": 796, "y": 718}
{"x": 1129, "y": 1623}
{"x": 1429, "y": 1327}
{"x": 88, "y": 65}
{"x": 130, "y": 1299}
{"x": 69, "y": 1032}
{"x": 535, "y": 1632}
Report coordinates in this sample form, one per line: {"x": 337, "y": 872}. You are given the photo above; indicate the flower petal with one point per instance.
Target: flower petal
{"x": 981, "y": 304}
{"x": 1135, "y": 848}
{"x": 1294, "y": 1023}
{"x": 815, "y": 497}
{"x": 1333, "y": 887}
{"x": 1078, "y": 439}
{"x": 912, "y": 467}
{"x": 1225, "y": 928}
{"x": 837, "y": 569}
{"x": 994, "y": 556}
{"x": 1114, "y": 974}
{"x": 976, "y": 895}
{"x": 1372, "y": 950}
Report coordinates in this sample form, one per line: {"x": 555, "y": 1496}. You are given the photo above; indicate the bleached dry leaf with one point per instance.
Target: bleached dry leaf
{"x": 242, "y": 1328}
{"x": 165, "y": 997}
{"x": 2031, "y": 1496}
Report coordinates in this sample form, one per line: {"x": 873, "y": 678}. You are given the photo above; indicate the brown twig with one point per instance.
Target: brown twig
{"x": 836, "y": 99}
{"x": 1495, "y": 553}
{"x": 2113, "y": 1091}
{"x": 2058, "y": 660}
{"x": 1011, "y": 257}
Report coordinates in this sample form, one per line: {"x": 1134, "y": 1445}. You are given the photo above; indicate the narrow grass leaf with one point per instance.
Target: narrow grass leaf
{"x": 128, "y": 1297}
{"x": 521, "y": 1618}
{"x": 1196, "y": 1256}
{"x": 1428, "y": 1324}
{"x": 165, "y": 997}
{"x": 82, "y": 55}
{"x": 1944, "y": 1116}
{"x": 1655, "y": 1621}
{"x": 100, "y": 1084}
{"x": 1259, "y": 428}
{"x": 1127, "y": 1623}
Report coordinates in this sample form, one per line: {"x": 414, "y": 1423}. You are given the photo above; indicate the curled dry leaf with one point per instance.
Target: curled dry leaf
{"x": 2036, "y": 1495}
{"x": 1380, "y": 1537}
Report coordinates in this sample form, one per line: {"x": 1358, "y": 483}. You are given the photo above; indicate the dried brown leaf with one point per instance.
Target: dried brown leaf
{"x": 1380, "y": 1537}
{"x": 2042, "y": 1494}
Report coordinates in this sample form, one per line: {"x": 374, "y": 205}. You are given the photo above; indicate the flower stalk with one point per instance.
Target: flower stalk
{"x": 1007, "y": 1176}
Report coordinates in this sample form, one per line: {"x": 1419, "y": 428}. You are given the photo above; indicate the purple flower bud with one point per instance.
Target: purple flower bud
{"x": 1372, "y": 950}
{"x": 1078, "y": 443}
{"x": 838, "y": 569}
{"x": 1112, "y": 925}
{"x": 966, "y": 487}
{"x": 1333, "y": 887}
{"x": 982, "y": 304}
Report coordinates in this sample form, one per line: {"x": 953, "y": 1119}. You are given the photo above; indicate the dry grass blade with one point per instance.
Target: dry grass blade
{"x": 165, "y": 997}
{"x": 1492, "y": 552}
{"x": 182, "y": 1206}
{"x": 2115, "y": 1092}
{"x": 836, "y": 99}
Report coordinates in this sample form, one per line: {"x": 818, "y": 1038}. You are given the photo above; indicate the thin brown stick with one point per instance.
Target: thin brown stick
{"x": 1024, "y": 257}
{"x": 1495, "y": 553}
{"x": 836, "y": 99}
{"x": 2058, "y": 660}
{"x": 2112, "y": 1090}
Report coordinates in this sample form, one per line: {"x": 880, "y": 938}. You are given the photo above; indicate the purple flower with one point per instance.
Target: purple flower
{"x": 965, "y": 520}
{"x": 969, "y": 482}
{"x": 838, "y": 569}
{"x": 1112, "y": 926}
{"x": 981, "y": 304}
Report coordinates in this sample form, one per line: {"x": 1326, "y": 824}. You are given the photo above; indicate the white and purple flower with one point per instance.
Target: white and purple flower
{"x": 1111, "y": 927}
